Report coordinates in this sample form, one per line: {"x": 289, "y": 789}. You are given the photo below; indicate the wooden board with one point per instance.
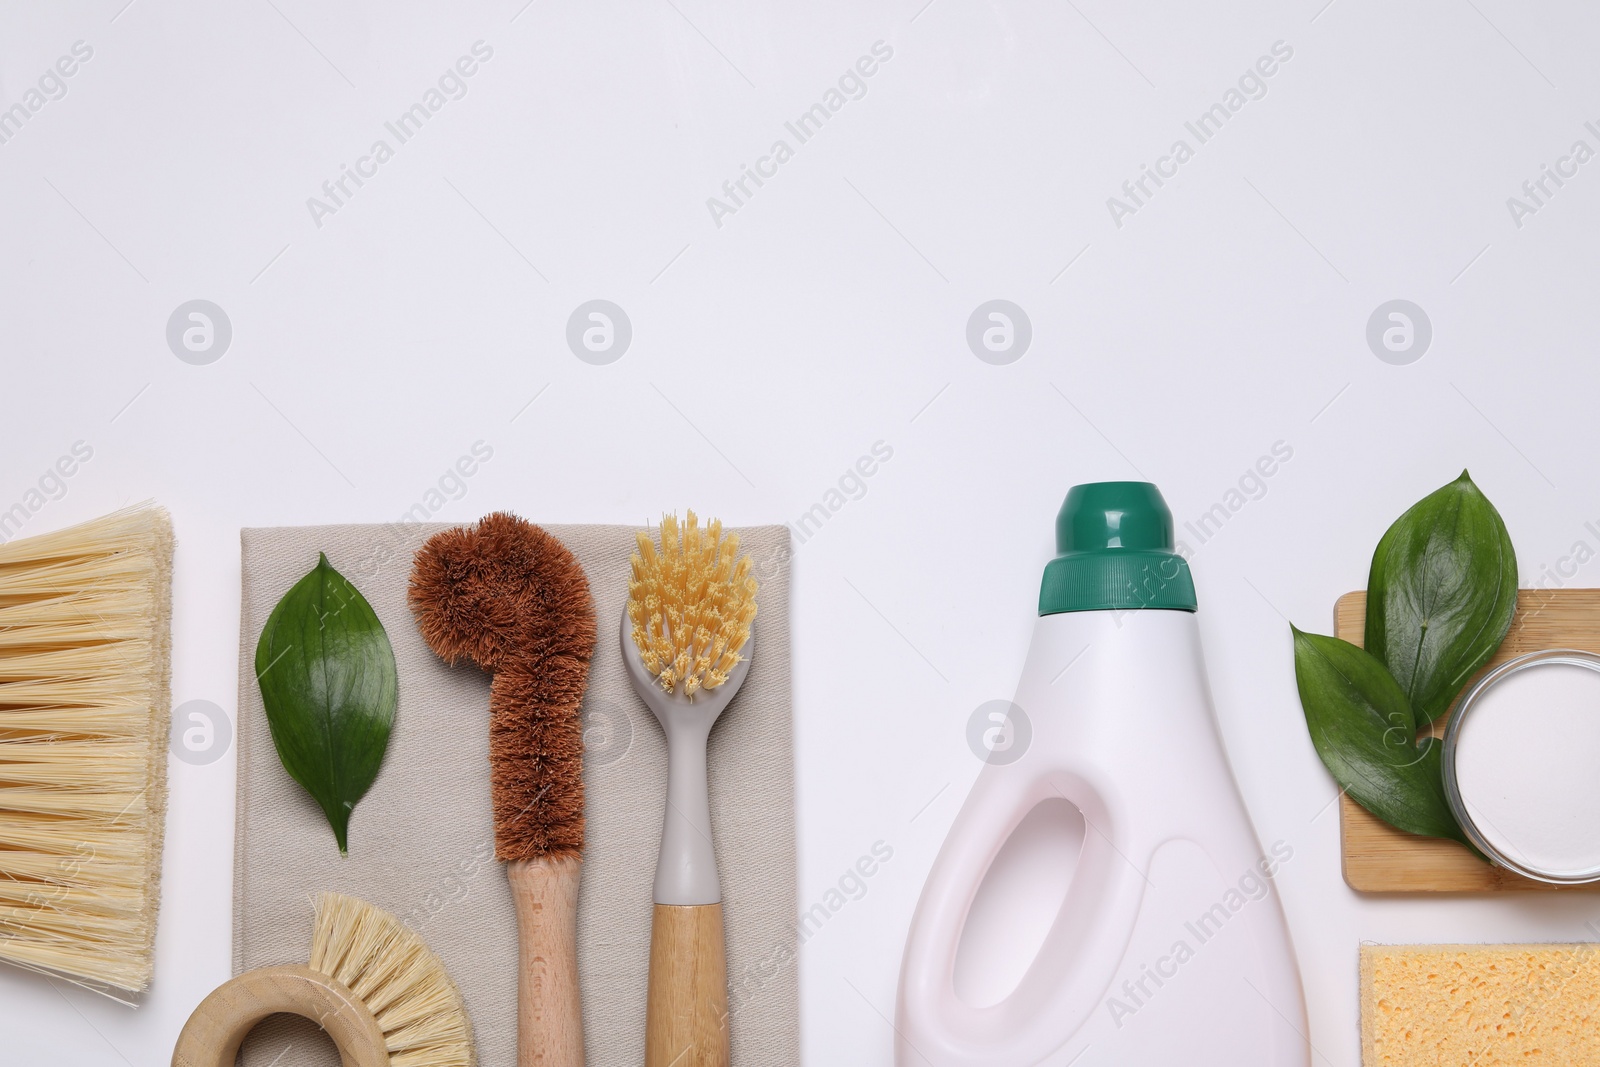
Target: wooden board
{"x": 1380, "y": 859}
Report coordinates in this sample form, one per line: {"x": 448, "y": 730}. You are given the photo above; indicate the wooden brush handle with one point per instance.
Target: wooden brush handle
{"x": 686, "y": 1019}
{"x": 212, "y": 1036}
{"x": 549, "y": 1017}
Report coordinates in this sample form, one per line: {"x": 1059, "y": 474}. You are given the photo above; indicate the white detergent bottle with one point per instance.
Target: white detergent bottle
{"x": 1170, "y": 946}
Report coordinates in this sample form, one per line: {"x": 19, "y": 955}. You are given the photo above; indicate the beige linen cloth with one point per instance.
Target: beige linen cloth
{"x": 422, "y": 842}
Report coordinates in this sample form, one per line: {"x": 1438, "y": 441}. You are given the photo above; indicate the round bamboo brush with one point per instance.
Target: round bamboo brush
{"x": 85, "y": 649}
{"x": 686, "y": 643}
{"x": 372, "y": 984}
{"x": 512, "y": 599}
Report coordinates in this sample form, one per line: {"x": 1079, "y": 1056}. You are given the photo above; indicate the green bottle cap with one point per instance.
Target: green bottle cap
{"x": 1114, "y": 550}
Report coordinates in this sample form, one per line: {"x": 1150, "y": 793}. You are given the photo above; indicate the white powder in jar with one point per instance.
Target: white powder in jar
{"x": 1527, "y": 766}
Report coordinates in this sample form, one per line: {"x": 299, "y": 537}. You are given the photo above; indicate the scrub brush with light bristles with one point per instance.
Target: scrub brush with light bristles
{"x": 372, "y": 984}
{"x": 85, "y": 653}
{"x": 690, "y": 605}
{"x": 686, "y": 641}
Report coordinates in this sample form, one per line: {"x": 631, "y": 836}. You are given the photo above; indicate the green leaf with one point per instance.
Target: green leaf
{"x": 1441, "y": 594}
{"x": 327, "y": 676}
{"x": 1365, "y": 733}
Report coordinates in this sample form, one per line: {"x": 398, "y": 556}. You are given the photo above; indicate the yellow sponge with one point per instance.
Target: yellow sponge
{"x": 1484, "y": 1005}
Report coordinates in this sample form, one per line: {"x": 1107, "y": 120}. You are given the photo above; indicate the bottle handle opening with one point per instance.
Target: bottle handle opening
{"x": 1076, "y": 962}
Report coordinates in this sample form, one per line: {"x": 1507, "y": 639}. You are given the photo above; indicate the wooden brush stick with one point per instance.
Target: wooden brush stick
{"x": 545, "y": 892}
{"x": 686, "y": 1014}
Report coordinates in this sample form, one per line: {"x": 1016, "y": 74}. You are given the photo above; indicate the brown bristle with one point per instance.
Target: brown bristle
{"x": 512, "y": 599}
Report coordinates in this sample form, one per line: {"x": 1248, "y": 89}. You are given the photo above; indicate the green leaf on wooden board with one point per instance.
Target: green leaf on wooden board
{"x": 328, "y": 679}
{"x": 1441, "y": 594}
{"x": 1365, "y": 732}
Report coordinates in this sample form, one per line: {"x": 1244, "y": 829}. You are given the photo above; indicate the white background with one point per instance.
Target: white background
{"x": 769, "y": 353}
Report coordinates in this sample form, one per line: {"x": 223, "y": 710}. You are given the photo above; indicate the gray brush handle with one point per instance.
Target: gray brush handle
{"x": 686, "y": 867}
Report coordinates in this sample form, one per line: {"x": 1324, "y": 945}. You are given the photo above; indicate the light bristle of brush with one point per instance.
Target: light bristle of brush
{"x": 403, "y": 984}
{"x": 85, "y": 693}
{"x": 690, "y": 604}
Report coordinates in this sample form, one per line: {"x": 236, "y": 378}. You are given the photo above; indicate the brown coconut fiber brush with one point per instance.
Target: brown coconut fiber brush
{"x": 511, "y": 598}
{"x": 85, "y": 653}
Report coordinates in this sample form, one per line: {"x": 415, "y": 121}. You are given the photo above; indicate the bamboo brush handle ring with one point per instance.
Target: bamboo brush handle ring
{"x": 686, "y": 1016}
{"x": 213, "y": 1034}
{"x": 549, "y": 1012}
